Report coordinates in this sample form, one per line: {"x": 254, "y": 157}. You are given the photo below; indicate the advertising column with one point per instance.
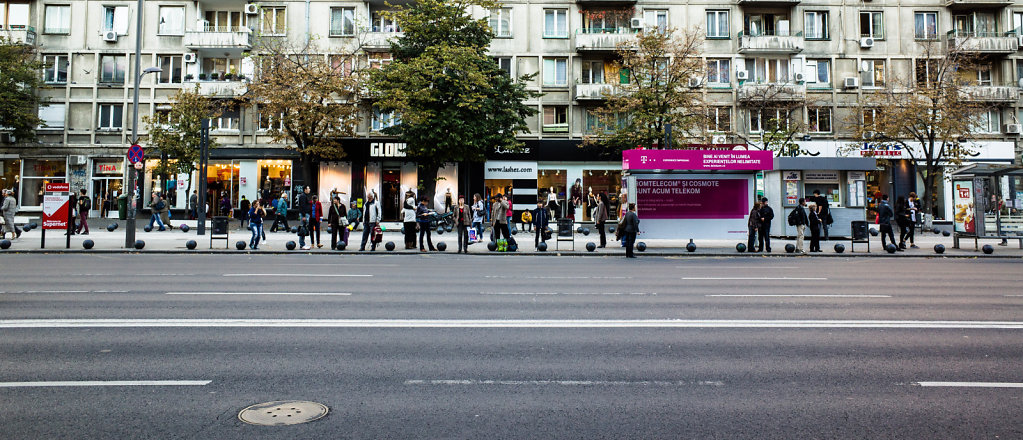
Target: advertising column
{"x": 56, "y": 210}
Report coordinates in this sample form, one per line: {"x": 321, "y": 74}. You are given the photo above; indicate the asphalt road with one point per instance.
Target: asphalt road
{"x": 446, "y": 346}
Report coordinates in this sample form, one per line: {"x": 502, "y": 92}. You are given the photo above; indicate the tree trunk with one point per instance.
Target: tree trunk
{"x": 428, "y": 182}
{"x": 308, "y": 179}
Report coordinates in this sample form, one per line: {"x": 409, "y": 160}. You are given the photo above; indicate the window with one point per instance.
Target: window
{"x": 382, "y": 120}
{"x": 266, "y": 122}
{"x": 379, "y": 59}
{"x": 383, "y": 23}
{"x": 112, "y": 69}
{"x": 505, "y": 63}
{"x": 342, "y": 22}
{"x": 984, "y": 75}
{"x": 500, "y": 22}
{"x": 818, "y": 120}
{"x": 593, "y": 72}
{"x": 555, "y": 71}
{"x": 58, "y": 19}
{"x": 718, "y": 71}
{"x": 817, "y": 73}
{"x": 14, "y": 15}
{"x": 37, "y": 173}
{"x": 926, "y": 72}
{"x": 55, "y": 69}
{"x": 555, "y": 23}
{"x": 341, "y": 64}
{"x": 172, "y": 20}
{"x": 555, "y": 119}
{"x": 815, "y": 25}
{"x": 171, "y": 66}
{"x": 870, "y": 116}
{"x": 595, "y": 125}
{"x": 110, "y": 116}
{"x": 228, "y": 120}
{"x": 719, "y": 119}
{"x": 925, "y": 25}
{"x": 768, "y": 70}
{"x": 717, "y": 24}
{"x": 988, "y": 121}
{"x": 872, "y": 73}
{"x": 223, "y": 21}
{"x": 218, "y": 68}
{"x": 274, "y": 20}
{"x": 871, "y": 24}
{"x": 771, "y": 119}
{"x": 115, "y": 18}
{"x": 52, "y": 116}
{"x": 656, "y": 19}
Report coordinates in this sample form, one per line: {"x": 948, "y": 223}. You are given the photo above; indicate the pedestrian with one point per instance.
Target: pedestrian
{"x": 816, "y": 223}
{"x": 305, "y": 208}
{"x": 764, "y": 234}
{"x": 165, "y": 212}
{"x": 84, "y": 205}
{"x": 354, "y": 217}
{"x": 753, "y": 225}
{"x": 885, "y": 215}
{"x": 423, "y": 218}
{"x": 630, "y": 225}
{"x": 541, "y": 221}
{"x": 823, "y": 212}
{"x": 914, "y": 216}
{"x": 370, "y": 217}
{"x": 902, "y": 220}
{"x": 600, "y": 217}
{"x": 315, "y": 216}
{"x": 479, "y": 214}
{"x": 281, "y": 213}
{"x": 243, "y": 211}
{"x": 10, "y": 207}
{"x": 225, "y": 205}
{"x": 156, "y": 204}
{"x": 463, "y": 221}
{"x": 255, "y": 216}
{"x": 409, "y": 225}
{"x": 527, "y": 220}
{"x": 499, "y": 219}
{"x": 193, "y": 204}
{"x": 510, "y": 213}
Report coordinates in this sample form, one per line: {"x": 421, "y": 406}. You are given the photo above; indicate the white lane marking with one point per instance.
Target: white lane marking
{"x": 499, "y": 323}
{"x": 736, "y": 267}
{"x": 134, "y": 274}
{"x": 337, "y": 264}
{"x": 564, "y": 382}
{"x": 1013, "y": 295}
{"x": 758, "y": 278}
{"x": 566, "y": 293}
{"x": 67, "y": 291}
{"x": 294, "y": 275}
{"x": 801, "y": 296}
{"x": 970, "y": 384}
{"x": 107, "y": 383}
{"x": 558, "y": 278}
{"x": 263, "y": 293}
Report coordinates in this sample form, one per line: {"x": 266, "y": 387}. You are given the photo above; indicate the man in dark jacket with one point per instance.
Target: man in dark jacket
{"x": 541, "y": 220}
{"x": 823, "y": 211}
{"x": 885, "y": 215}
{"x": 305, "y": 207}
{"x": 766, "y": 215}
{"x": 631, "y": 226}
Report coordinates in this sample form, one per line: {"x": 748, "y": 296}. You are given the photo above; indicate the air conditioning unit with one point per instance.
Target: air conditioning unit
{"x": 110, "y": 36}
{"x": 251, "y": 9}
{"x": 718, "y": 139}
{"x": 189, "y": 57}
{"x": 852, "y": 82}
{"x": 799, "y": 77}
{"x": 741, "y": 75}
{"x": 1012, "y": 128}
{"x": 78, "y": 160}
{"x": 636, "y": 23}
{"x": 866, "y": 42}
{"x": 695, "y": 82}
{"x": 868, "y": 135}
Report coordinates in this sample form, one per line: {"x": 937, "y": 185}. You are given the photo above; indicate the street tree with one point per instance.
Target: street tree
{"x": 454, "y": 101}
{"x": 771, "y": 117}
{"x": 931, "y": 116}
{"x": 19, "y": 79}
{"x": 654, "y": 91}
{"x": 309, "y": 101}
{"x": 177, "y": 133}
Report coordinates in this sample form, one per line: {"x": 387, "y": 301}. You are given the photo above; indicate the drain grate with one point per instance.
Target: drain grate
{"x": 287, "y": 412}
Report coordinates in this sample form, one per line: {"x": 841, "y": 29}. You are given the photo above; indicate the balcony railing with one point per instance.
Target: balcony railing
{"x": 587, "y": 92}
{"x": 223, "y": 89}
{"x": 380, "y": 40}
{"x": 754, "y": 91}
{"x": 24, "y": 35}
{"x": 1005, "y": 94}
{"x": 768, "y": 2}
{"x": 983, "y": 42}
{"x": 965, "y": 4}
{"x": 238, "y": 37}
{"x": 767, "y": 43}
{"x": 604, "y": 39}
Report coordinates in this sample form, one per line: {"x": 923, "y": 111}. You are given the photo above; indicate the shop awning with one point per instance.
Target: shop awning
{"x": 826, "y": 163}
{"x": 988, "y": 170}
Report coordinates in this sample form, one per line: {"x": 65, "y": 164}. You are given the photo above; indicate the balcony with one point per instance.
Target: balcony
{"x": 237, "y": 37}
{"x": 983, "y": 42}
{"x": 974, "y": 4}
{"x": 767, "y": 3}
{"x": 591, "y": 92}
{"x": 380, "y": 40}
{"x": 1003, "y": 94}
{"x": 772, "y": 92}
{"x": 604, "y": 40}
{"x": 223, "y": 89}
{"x": 771, "y": 44}
{"x": 24, "y": 36}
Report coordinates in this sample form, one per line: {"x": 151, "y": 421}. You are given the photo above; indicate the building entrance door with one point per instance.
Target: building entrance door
{"x": 390, "y": 199}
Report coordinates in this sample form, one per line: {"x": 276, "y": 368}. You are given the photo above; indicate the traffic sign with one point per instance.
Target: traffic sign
{"x": 136, "y": 154}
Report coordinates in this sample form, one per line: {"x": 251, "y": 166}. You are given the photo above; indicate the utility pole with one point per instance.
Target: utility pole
{"x": 204, "y": 153}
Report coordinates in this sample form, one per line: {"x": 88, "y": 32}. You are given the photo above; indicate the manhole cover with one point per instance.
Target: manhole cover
{"x": 288, "y": 412}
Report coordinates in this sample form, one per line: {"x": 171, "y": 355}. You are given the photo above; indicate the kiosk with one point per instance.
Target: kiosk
{"x": 988, "y": 202}
{"x": 842, "y": 181}
{"x": 693, "y": 194}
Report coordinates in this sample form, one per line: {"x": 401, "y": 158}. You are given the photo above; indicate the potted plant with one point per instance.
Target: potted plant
{"x": 214, "y": 76}
{"x": 188, "y": 77}
{"x": 228, "y": 76}
{"x": 241, "y": 77}
{"x": 202, "y": 77}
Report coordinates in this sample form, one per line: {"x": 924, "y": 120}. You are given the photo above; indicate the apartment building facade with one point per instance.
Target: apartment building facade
{"x": 824, "y": 55}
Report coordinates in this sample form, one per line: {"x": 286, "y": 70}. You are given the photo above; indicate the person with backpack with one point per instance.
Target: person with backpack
{"x": 84, "y": 205}
{"x": 370, "y": 218}
{"x": 816, "y": 223}
{"x": 799, "y": 219}
{"x": 752, "y": 226}
{"x": 409, "y": 225}
{"x": 541, "y": 220}
{"x": 766, "y": 215}
{"x": 281, "y": 217}
{"x": 155, "y": 206}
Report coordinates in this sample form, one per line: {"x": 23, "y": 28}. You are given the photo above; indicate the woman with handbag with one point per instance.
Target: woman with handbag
{"x": 337, "y": 219}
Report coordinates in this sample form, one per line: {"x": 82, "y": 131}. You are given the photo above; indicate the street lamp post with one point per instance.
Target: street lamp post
{"x": 129, "y": 229}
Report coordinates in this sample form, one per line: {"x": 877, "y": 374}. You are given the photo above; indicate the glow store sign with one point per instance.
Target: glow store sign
{"x": 387, "y": 149}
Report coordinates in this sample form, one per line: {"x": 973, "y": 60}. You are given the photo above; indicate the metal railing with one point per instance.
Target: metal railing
{"x": 618, "y": 30}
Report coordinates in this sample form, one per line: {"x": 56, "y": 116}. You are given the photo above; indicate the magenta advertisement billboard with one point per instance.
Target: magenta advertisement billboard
{"x": 704, "y": 198}
{"x": 698, "y": 160}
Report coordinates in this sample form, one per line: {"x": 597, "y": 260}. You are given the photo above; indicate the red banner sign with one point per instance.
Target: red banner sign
{"x": 56, "y": 205}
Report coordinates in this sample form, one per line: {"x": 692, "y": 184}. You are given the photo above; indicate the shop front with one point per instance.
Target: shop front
{"x": 107, "y": 184}
{"x": 10, "y": 173}
{"x": 35, "y": 174}
{"x": 841, "y": 181}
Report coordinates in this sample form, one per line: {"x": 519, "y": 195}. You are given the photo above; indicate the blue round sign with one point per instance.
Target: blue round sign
{"x": 135, "y": 154}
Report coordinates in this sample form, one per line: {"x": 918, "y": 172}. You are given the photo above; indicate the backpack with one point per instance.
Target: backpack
{"x": 794, "y": 217}
{"x": 86, "y": 203}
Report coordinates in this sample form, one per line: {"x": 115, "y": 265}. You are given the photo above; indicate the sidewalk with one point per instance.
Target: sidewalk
{"x": 174, "y": 240}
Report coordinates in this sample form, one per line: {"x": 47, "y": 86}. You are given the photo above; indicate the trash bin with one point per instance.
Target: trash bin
{"x": 122, "y": 207}
{"x": 859, "y": 231}
{"x": 220, "y": 225}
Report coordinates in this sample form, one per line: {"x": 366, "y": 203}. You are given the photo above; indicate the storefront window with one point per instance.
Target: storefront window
{"x": 39, "y": 172}
{"x": 221, "y": 182}
{"x": 168, "y": 189}
{"x": 602, "y": 181}
{"x": 107, "y": 184}
{"x": 10, "y": 173}
{"x": 826, "y": 182}
{"x": 557, "y": 179}
{"x": 274, "y": 178}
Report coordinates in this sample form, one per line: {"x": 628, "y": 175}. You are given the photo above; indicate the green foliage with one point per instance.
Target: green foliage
{"x": 178, "y": 133}
{"x": 19, "y": 78}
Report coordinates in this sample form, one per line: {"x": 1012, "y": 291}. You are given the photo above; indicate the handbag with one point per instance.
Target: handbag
{"x": 378, "y": 234}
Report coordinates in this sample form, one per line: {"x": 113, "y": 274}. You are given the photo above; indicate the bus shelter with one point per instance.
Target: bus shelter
{"x": 988, "y": 202}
